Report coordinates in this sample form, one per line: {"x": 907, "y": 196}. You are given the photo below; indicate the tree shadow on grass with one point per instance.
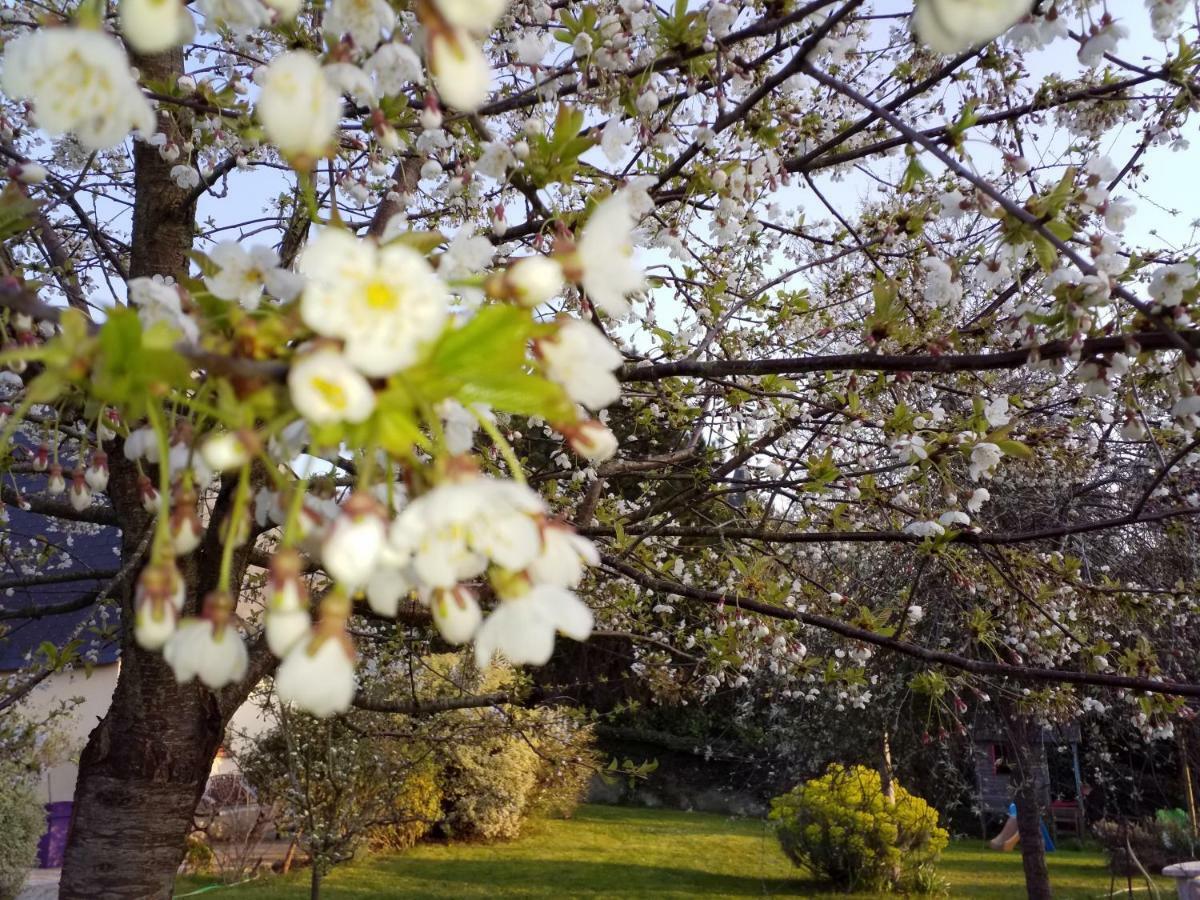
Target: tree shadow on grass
{"x": 554, "y": 878}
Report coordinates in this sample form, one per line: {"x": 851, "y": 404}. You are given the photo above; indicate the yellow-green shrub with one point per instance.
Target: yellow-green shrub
{"x": 22, "y": 820}
{"x": 417, "y": 806}
{"x": 487, "y": 786}
{"x": 842, "y": 827}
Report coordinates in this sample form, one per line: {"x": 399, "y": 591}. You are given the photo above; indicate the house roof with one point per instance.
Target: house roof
{"x": 34, "y": 545}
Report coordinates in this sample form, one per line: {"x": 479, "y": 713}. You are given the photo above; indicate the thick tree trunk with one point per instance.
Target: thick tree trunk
{"x": 146, "y": 764}
{"x": 140, "y": 777}
{"x": 1023, "y": 735}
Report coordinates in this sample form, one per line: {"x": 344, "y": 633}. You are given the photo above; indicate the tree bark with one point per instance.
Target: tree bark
{"x": 146, "y": 764}
{"x": 1023, "y": 734}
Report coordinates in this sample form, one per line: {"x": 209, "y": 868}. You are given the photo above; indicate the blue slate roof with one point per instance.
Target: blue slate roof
{"x": 33, "y": 545}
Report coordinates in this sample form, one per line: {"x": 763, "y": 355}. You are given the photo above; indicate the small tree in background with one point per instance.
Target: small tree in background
{"x": 384, "y": 781}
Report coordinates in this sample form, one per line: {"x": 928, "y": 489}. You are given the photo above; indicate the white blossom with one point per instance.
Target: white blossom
{"x": 152, "y": 26}
{"x": 985, "y": 456}
{"x": 80, "y": 83}
{"x": 244, "y": 274}
{"x": 298, "y": 107}
{"x": 1103, "y": 40}
{"x": 239, "y": 16}
{"x": 582, "y": 360}
{"x": 153, "y": 625}
{"x": 592, "y": 440}
{"x": 532, "y": 280}
{"x": 720, "y": 17}
{"x": 366, "y": 21}
{"x": 393, "y": 67}
{"x": 924, "y": 529}
{"x": 325, "y": 388}
{"x": 615, "y": 139}
{"x": 996, "y": 412}
{"x": 200, "y": 649}
{"x": 80, "y": 495}
{"x": 285, "y": 628}
{"x": 522, "y": 628}
{"x": 979, "y": 497}
{"x": 386, "y": 303}
{"x": 387, "y": 586}
{"x": 476, "y": 16}
{"x": 456, "y": 614}
{"x": 1169, "y": 283}
{"x": 159, "y": 300}
{"x": 604, "y": 256}
{"x": 452, "y": 532}
{"x": 317, "y": 675}
{"x": 564, "y": 557}
{"x": 951, "y": 26}
{"x": 352, "y": 547}
{"x": 461, "y": 73}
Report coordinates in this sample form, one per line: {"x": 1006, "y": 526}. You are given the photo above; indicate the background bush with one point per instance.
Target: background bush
{"x": 416, "y": 806}
{"x": 386, "y": 781}
{"x": 487, "y": 787}
{"x": 842, "y": 828}
{"x": 1162, "y": 841}
{"x": 22, "y": 821}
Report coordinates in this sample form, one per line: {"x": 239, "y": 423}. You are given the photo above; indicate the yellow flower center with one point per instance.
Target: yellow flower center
{"x": 331, "y": 392}
{"x": 380, "y": 296}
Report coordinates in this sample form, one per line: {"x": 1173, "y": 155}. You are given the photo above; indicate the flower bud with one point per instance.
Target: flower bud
{"x": 148, "y": 495}
{"x": 208, "y": 648}
{"x": 318, "y": 673}
{"x": 41, "y": 459}
{"x": 80, "y": 494}
{"x": 97, "y": 471}
{"x": 225, "y": 452}
{"x": 185, "y": 527}
{"x": 532, "y": 280}
{"x": 351, "y": 549}
{"x": 157, "y": 601}
{"x": 56, "y": 483}
{"x": 456, "y": 613}
{"x": 592, "y": 440}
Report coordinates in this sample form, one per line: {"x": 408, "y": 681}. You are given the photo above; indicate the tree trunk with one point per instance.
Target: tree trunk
{"x": 1023, "y": 734}
{"x": 314, "y": 892}
{"x": 146, "y": 764}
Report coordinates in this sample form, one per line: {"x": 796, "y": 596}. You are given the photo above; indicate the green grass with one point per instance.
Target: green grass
{"x": 619, "y": 853}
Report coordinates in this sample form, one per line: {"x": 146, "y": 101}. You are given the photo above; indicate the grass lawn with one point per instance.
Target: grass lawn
{"x": 618, "y": 853}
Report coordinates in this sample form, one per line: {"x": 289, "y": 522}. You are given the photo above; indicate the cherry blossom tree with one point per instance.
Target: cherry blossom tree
{"x": 762, "y": 337}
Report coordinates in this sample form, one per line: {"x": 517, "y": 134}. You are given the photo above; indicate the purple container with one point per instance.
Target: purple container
{"x": 54, "y": 842}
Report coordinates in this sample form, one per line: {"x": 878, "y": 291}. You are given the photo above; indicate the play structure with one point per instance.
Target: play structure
{"x": 1009, "y": 838}
{"x": 1056, "y": 773}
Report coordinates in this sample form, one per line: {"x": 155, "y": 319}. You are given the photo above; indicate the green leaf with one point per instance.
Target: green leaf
{"x": 17, "y": 212}
{"x": 485, "y": 361}
{"x": 1014, "y": 448}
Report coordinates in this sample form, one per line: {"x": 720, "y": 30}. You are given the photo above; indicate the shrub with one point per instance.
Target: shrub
{"x": 1155, "y": 843}
{"x": 568, "y": 760}
{"x": 842, "y": 828}
{"x": 487, "y": 786}
{"x": 22, "y": 821}
{"x": 417, "y": 805}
